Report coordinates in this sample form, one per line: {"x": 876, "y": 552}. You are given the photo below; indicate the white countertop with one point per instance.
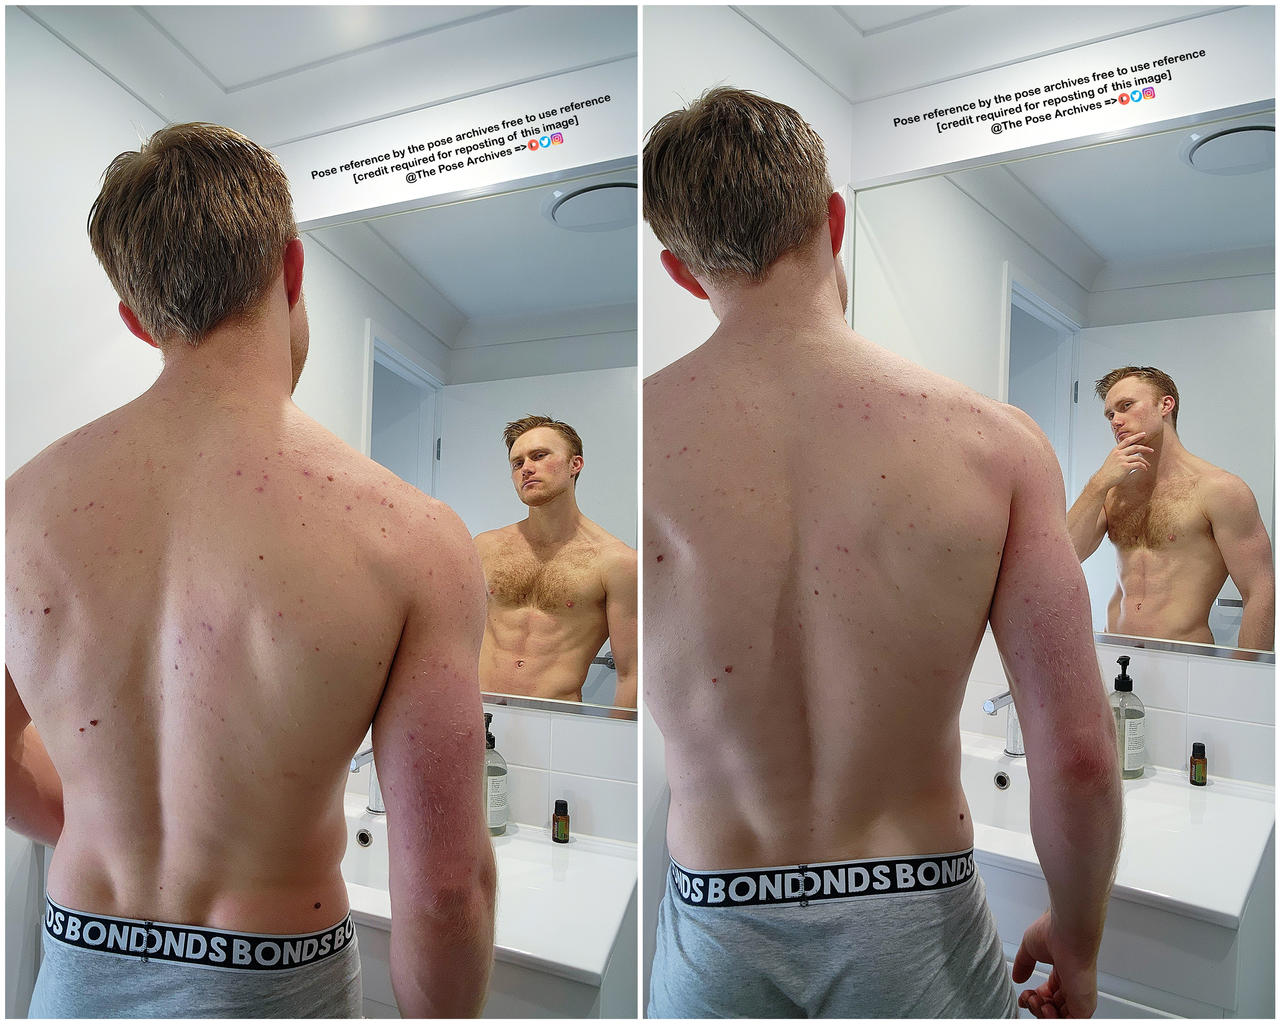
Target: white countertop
{"x": 1188, "y": 849}
{"x": 559, "y": 905}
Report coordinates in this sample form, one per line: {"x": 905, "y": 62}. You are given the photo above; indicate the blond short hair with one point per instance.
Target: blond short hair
{"x": 734, "y": 182}
{"x": 1160, "y": 380}
{"x": 191, "y": 228}
{"x": 511, "y": 433}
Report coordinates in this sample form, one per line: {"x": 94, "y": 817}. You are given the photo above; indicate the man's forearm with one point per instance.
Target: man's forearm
{"x": 440, "y": 962}
{"x": 1083, "y": 516}
{"x": 1076, "y": 823}
{"x": 1258, "y": 622}
{"x": 33, "y": 790}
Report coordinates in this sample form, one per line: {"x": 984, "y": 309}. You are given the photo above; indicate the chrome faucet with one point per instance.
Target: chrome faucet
{"x": 365, "y": 757}
{"x": 1012, "y": 730}
{"x": 606, "y": 660}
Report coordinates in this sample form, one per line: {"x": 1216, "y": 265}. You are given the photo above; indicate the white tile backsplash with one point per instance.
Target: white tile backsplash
{"x": 1235, "y": 750}
{"x": 1242, "y": 690}
{"x": 529, "y": 795}
{"x": 598, "y": 807}
{"x": 1229, "y": 705}
{"x": 1166, "y": 734}
{"x": 591, "y": 762}
{"x": 603, "y": 747}
{"x": 522, "y": 736}
{"x": 1159, "y": 678}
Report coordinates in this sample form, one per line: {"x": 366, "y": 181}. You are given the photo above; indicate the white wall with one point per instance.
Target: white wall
{"x": 397, "y": 419}
{"x": 688, "y": 50}
{"x": 1224, "y": 367}
{"x": 928, "y": 279}
{"x": 68, "y": 358}
{"x": 475, "y": 478}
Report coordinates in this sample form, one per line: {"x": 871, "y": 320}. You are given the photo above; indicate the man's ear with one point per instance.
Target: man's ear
{"x": 1167, "y": 402}
{"x": 293, "y": 270}
{"x": 680, "y": 274}
{"x": 835, "y": 221}
{"x": 135, "y": 327}
{"x": 575, "y": 466}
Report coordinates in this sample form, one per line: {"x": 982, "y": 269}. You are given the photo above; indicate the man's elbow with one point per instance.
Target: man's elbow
{"x": 464, "y": 907}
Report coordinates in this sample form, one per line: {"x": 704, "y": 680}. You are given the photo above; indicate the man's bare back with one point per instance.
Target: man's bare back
{"x": 547, "y": 607}
{"x": 824, "y": 526}
{"x": 204, "y": 601}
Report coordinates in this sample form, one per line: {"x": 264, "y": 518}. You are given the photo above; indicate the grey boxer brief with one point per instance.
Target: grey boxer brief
{"x": 100, "y": 966}
{"x": 897, "y": 937}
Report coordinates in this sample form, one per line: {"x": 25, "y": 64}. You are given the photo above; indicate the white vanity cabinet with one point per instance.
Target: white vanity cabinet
{"x": 1190, "y": 927}
{"x": 566, "y": 928}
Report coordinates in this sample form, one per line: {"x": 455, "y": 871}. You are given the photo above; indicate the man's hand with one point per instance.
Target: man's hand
{"x": 1123, "y": 459}
{"x": 1072, "y": 988}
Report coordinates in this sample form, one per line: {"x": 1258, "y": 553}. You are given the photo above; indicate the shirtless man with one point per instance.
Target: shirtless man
{"x": 828, "y": 530}
{"x": 559, "y": 585}
{"x": 210, "y": 598}
{"x": 1180, "y": 525}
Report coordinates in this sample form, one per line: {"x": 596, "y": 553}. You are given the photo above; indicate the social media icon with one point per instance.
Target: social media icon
{"x": 1148, "y": 93}
{"x": 1136, "y": 96}
{"x": 557, "y": 139}
{"x": 545, "y": 141}
{"x": 533, "y": 143}
{"x": 1123, "y": 97}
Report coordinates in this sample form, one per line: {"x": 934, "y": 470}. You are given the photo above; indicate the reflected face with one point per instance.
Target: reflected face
{"x": 1133, "y": 405}
{"x": 542, "y": 466}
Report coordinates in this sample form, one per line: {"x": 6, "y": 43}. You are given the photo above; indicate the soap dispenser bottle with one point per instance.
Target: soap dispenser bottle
{"x": 1131, "y": 724}
{"x": 495, "y": 783}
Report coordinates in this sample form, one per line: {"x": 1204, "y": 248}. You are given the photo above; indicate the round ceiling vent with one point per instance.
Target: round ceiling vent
{"x": 1240, "y": 150}
{"x": 604, "y": 207}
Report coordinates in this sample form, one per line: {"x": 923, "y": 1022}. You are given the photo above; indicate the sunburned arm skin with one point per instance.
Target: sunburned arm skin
{"x": 620, "y": 610}
{"x": 1232, "y": 511}
{"x": 428, "y": 739}
{"x": 1087, "y": 517}
{"x": 32, "y": 788}
{"x": 1040, "y": 618}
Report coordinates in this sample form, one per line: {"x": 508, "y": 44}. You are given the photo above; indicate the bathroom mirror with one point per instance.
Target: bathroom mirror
{"x": 1031, "y": 278}
{"x": 518, "y": 302}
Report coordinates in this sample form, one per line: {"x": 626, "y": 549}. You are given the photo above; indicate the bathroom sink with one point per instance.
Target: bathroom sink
{"x": 564, "y": 937}
{"x": 1170, "y": 827}
{"x": 1190, "y": 925}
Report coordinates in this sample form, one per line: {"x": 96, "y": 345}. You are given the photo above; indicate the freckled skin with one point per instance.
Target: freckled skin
{"x": 836, "y": 735}
{"x": 164, "y": 632}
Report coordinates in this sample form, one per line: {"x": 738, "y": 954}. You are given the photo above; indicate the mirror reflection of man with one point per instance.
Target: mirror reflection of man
{"x": 559, "y": 584}
{"x": 1180, "y": 525}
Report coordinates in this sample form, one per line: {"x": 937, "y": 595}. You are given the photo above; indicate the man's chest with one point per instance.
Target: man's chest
{"x": 1164, "y": 517}
{"x": 520, "y": 576}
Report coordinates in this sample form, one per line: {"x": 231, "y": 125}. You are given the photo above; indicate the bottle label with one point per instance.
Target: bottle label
{"x": 1198, "y": 772}
{"x": 1135, "y": 743}
{"x": 497, "y": 800}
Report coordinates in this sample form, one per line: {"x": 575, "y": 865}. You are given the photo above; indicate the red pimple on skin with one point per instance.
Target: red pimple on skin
{"x": 568, "y": 604}
{"x": 93, "y": 721}
{"x": 660, "y": 557}
{"x": 348, "y": 508}
{"x": 329, "y": 478}
{"x": 82, "y": 728}
{"x": 1171, "y": 536}
{"x": 839, "y": 405}
{"x": 728, "y": 668}
{"x": 882, "y": 476}
{"x": 713, "y": 679}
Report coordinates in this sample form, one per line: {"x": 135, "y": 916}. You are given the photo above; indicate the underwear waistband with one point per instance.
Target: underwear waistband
{"x": 192, "y": 944}
{"x": 802, "y": 884}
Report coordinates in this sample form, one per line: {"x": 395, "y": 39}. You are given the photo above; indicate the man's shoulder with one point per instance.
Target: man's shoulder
{"x": 1218, "y": 486}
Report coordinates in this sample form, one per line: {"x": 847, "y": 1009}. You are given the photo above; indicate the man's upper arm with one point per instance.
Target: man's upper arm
{"x": 621, "y": 601}
{"x": 1040, "y": 613}
{"x": 1240, "y": 535}
{"x": 428, "y": 732}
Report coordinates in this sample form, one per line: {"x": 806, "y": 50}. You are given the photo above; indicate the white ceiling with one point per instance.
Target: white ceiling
{"x": 868, "y": 52}
{"x": 493, "y": 259}
{"x": 1138, "y": 201}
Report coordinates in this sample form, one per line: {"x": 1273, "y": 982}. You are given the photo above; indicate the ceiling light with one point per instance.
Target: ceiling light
{"x": 604, "y": 207}
{"x": 1242, "y": 150}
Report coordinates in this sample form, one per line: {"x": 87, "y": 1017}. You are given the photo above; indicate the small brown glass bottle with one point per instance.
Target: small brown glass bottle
{"x": 560, "y": 822}
{"x": 1199, "y": 765}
